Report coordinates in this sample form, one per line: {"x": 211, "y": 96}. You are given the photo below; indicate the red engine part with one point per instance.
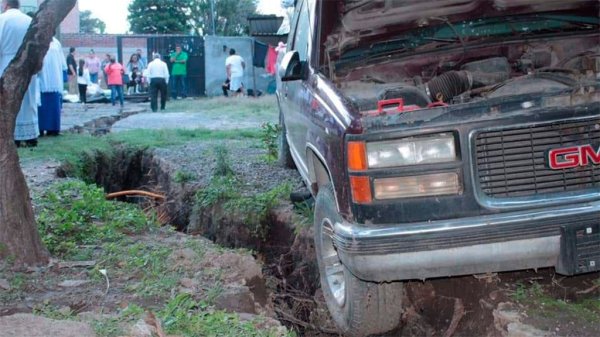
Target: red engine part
{"x": 381, "y": 110}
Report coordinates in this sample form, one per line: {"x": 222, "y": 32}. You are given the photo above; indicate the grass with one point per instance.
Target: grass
{"x": 70, "y": 146}
{"x": 138, "y": 266}
{"x": 74, "y": 214}
{"x": 537, "y": 300}
{"x": 252, "y": 210}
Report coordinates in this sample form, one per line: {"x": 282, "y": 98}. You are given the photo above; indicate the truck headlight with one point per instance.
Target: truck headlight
{"x": 437, "y": 148}
{"x": 417, "y": 186}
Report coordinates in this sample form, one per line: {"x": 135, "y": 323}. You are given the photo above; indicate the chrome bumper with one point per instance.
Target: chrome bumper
{"x": 490, "y": 243}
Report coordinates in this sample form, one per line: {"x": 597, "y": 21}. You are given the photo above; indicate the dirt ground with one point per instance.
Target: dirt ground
{"x": 525, "y": 303}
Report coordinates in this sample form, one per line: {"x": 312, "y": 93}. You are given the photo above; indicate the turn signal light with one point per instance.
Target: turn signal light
{"x": 361, "y": 190}
{"x": 357, "y": 156}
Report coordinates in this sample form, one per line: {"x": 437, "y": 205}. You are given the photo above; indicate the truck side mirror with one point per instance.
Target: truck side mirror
{"x": 291, "y": 68}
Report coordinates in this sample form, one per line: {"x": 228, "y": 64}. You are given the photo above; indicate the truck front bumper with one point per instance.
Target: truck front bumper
{"x": 490, "y": 243}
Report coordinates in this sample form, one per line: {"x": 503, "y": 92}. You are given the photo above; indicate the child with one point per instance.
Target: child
{"x": 134, "y": 81}
{"x": 83, "y": 80}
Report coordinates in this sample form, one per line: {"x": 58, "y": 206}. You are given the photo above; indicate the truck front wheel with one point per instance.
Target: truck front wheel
{"x": 359, "y": 308}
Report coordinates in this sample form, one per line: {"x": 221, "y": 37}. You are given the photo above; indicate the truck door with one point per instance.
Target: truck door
{"x": 298, "y": 95}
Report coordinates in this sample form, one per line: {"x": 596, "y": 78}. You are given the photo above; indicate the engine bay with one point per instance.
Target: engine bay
{"x": 461, "y": 76}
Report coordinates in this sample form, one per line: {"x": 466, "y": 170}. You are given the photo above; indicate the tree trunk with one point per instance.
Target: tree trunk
{"x": 19, "y": 238}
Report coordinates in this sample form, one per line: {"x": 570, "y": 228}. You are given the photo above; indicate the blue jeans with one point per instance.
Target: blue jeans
{"x": 178, "y": 80}
{"x": 94, "y": 78}
{"x": 114, "y": 91}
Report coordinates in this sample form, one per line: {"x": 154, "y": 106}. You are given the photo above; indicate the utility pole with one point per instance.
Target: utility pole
{"x": 212, "y": 16}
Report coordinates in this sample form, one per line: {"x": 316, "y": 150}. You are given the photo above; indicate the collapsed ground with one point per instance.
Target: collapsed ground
{"x": 224, "y": 185}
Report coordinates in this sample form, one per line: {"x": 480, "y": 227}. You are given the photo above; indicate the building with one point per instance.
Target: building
{"x": 69, "y": 25}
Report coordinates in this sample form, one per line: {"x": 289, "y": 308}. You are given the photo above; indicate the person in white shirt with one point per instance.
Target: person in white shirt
{"x": 234, "y": 66}
{"x": 13, "y": 26}
{"x": 158, "y": 73}
{"x": 83, "y": 80}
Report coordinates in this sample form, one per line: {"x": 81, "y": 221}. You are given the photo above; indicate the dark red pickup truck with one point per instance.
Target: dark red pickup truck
{"x": 442, "y": 138}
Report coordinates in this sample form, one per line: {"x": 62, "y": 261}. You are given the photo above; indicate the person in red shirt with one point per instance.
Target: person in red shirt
{"x": 114, "y": 73}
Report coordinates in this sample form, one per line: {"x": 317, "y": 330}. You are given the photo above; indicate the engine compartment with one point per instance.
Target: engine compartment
{"x": 465, "y": 75}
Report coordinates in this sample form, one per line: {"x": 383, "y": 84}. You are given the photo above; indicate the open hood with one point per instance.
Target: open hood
{"x": 364, "y": 20}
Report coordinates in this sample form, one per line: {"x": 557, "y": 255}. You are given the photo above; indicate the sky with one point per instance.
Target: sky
{"x": 114, "y": 12}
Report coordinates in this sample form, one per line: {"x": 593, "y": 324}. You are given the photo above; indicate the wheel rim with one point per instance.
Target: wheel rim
{"x": 332, "y": 266}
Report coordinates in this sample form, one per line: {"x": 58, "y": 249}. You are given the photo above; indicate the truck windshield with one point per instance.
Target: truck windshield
{"x": 464, "y": 32}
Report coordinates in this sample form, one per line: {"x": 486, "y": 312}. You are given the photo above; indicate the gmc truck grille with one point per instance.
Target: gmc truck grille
{"x": 512, "y": 162}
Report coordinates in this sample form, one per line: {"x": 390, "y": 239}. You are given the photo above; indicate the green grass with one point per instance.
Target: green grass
{"x": 70, "y": 146}
{"x": 538, "y": 301}
{"x": 252, "y": 210}
{"x": 73, "y": 214}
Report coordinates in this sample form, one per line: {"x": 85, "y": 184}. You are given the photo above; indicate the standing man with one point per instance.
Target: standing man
{"x": 92, "y": 63}
{"x": 234, "y": 66}
{"x": 158, "y": 73}
{"x": 13, "y": 26}
{"x": 179, "y": 72}
{"x": 72, "y": 72}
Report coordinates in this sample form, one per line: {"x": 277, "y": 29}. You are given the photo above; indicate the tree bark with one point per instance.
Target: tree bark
{"x": 19, "y": 238}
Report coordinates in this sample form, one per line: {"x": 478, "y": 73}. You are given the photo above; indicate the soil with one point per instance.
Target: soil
{"x": 483, "y": 305}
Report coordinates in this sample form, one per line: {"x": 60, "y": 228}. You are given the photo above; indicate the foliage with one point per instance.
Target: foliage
{"x": 50, "y": 311}
{"x": 304, "y": 216}
{"x": 270, "y": 134}
{"x": 185, "y": 16}
{"x": 182, "y": 177}
{"x": 185, "y": 316}
{"x": 222, "y": 167}
{"x": 159, "y": 16}
{"x": 88, "y": 24}
{"x": 230, "y": 19}
{"x": 74, "y": 214}
{"x": 221, "y": 188}
{"x": 253, "y": 210}
{"x": 538, "y": 300}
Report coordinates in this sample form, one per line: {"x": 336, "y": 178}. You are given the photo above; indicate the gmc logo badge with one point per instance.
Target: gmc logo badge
{"x": 571, "y": 157}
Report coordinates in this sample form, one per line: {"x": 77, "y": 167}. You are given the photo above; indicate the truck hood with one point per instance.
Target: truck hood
{"x": 365, "y": 21}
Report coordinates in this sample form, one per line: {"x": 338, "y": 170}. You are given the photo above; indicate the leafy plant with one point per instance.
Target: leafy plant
{"x": 270, "y": 134}
{"x": 182, "y": 177}
{"x": 184, "y": 316}
{"x": 222, "y": 167}
{"x": 304, "y": 216}
{"x": 256, "y": 209}
{"x": 219, "y": 189}
{"x": 74, "y": 213}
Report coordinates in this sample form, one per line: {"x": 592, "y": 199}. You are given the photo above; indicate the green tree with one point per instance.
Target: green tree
{"x": 184, "y": 16}
{"x": 231, "y": 17}
{"x": 88, "y": 24}
{"x": 160, "y": 16}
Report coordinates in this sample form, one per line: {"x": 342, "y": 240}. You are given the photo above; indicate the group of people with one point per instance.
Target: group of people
{"x": 86, "y": 71}
{"x": 42, "y": 104}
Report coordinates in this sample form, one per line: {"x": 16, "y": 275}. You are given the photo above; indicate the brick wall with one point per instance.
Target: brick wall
{"x": 102, "y": 44}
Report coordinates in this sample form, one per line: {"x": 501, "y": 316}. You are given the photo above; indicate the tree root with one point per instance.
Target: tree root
{"x": 459, "y": 312}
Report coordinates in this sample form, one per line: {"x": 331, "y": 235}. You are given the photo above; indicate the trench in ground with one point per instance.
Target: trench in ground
{"x": 291, "y": 275}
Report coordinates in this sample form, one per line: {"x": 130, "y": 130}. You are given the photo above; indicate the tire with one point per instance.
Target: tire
{"x": 359, "y": 308}
{"x": 284, "y": 156}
